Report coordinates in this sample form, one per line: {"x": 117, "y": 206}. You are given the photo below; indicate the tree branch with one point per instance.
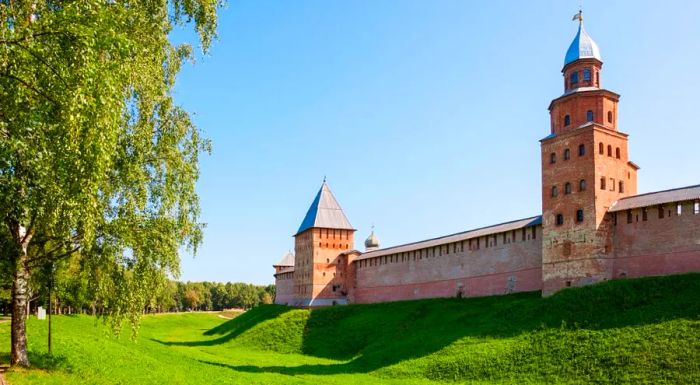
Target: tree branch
{"x": 29, "y": 86}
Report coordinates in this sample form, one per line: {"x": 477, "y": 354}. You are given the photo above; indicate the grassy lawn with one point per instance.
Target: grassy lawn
{"x": 631, "y": 331}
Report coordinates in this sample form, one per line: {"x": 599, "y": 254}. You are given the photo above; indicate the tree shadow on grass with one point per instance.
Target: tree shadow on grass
{"x": 370, "y": 337}
{"x": 42, "y": 361}
{"x": 234, "y": 327}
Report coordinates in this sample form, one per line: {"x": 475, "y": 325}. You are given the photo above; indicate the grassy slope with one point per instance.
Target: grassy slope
{"x": 633, "y": 331}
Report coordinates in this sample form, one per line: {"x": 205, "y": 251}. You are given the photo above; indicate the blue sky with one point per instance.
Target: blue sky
{"x": 424, "y": 115}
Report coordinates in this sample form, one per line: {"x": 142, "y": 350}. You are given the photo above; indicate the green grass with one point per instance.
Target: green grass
{"x": 629, "y": 331}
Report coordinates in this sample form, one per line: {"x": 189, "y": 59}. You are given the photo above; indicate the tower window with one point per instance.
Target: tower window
{"x": 589, "y": 116}
{"x": 617, "y": 152}
{"x": 574, "y": 78}
{"x": 560, "y": 219}
{"x": 581, "y": 149}
{"x": 567, "y": 154}
{"x": 602, "y": 183}
{"x": 661, "y": 211}
{"x": 621, "y": 187}
{"x": 696, "y": 207}
{"x": 629, "y": 216}
{"x": 567, "y": 188}
{"x": 612, "y": 184}
{"x": 582, "y": 185}
{"x": 587, "y": 74}
{"x": 644, "y": 214}
{"x": 554, "y": 191}
{"x": 567, "y": 120}
{"x": 601, "y": 148}
{"x": 609, "y": 116}
{"x": 679, "y": 209}
{"x": 579, "y": 215}
{"x": 552, "y": 158}
{"x": 609, "y": 150}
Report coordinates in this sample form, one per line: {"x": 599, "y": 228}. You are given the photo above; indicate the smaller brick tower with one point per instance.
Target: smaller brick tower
{"x": 585, "y": 168}
{"x": 319, "y": 268}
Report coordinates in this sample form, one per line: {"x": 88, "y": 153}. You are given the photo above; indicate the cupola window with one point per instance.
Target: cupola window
{"x": 574, "y": 78}
{"x": 567, "y": 120}
{"x": 587, "y": 74}
{"x": 609, "y": 116}
{"x": 589, "y": 116}
{"x": 617, "y": 152}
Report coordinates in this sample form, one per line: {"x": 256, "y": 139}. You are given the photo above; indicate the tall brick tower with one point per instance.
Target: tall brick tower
{"x": 585, "y": 168}
{"x": 319, "y": 270}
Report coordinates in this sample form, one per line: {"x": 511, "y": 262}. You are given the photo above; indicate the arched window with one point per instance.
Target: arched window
{"x": 567, "y": 154}
{"x": 609, "y": 116}
{"x": 581, "y": 149}
{"x": 574, "y": 78}
{"x": 602, "y": 183}
{"x": 560, "y": 219}
{"x": 555, "y": 192}
{"x": 567, "y": 188}
{"x": 617, "y": 152}
{"x": 589, "y": 116}
{"x": 579, "y": 215}
{"x": 582, "y": 185}
{"x": 609, "y": 150}
{"x": 567, "y": 120}
{"x": 587, "y": 74}
{"x": 552, "y": 158}
{"x": 597, "y": 79}
{"x": 601, "y": 148}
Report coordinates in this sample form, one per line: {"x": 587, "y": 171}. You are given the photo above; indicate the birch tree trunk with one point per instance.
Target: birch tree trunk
{"x": 20, "y": 301}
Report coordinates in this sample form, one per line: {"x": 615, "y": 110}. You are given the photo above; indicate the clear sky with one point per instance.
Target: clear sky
{"x": 424, "y": 115}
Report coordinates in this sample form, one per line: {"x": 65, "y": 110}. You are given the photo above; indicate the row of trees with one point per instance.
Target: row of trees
{"x": 73, "y": 293}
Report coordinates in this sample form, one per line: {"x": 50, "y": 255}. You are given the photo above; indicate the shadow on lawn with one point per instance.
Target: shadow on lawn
{"x": 370, "y": 337}
{"x": 41, "y": 360}
{"x": 234, "y": 327}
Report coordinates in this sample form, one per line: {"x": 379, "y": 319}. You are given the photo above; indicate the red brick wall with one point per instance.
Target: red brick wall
{"x": 444, "y": 271}
{"x": 284, "y": 288}
{"x": 657, "y": 246}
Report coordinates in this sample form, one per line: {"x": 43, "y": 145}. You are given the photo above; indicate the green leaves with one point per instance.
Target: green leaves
{"x": 94, "y": 152}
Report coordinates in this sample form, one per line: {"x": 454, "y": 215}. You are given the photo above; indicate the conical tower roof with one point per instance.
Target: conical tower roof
{"x": 286, "y": 261}
{"x": 325, "y": 212}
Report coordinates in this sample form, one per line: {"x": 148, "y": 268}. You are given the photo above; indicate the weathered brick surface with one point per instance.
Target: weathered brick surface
{"x": 284, "y": 289}
{"x": 657, "y": 246}
{"x": 506, "y": 267}
{"x": 319, "y": 270}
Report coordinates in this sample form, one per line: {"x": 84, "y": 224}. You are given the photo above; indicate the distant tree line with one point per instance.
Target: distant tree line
{"x": 72, "y": 293}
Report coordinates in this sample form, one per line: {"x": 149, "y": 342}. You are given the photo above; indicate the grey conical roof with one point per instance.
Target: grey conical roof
{"x": 325, "y": 212}
{"x": 287, "y": 260}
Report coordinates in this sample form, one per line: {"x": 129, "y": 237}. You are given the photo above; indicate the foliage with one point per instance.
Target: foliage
{"x": 628, "y": 331}
{"x": 94, "y": 154}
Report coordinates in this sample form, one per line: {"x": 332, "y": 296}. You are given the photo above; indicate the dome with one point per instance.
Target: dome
{"x": 372, "y": 242}
{"x": 583, "y": 47}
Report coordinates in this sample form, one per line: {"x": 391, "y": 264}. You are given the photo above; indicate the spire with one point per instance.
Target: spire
{"x": 583, "y": 46}
{"x": 325, "y": 212}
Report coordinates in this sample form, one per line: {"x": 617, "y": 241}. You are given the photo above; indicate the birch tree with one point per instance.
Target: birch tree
{"x": 95, "y": 156}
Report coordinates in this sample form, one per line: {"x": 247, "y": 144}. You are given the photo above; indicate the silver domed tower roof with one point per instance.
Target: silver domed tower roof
{"x": 372, "y": 242}
{"x": 583, "y": 47}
